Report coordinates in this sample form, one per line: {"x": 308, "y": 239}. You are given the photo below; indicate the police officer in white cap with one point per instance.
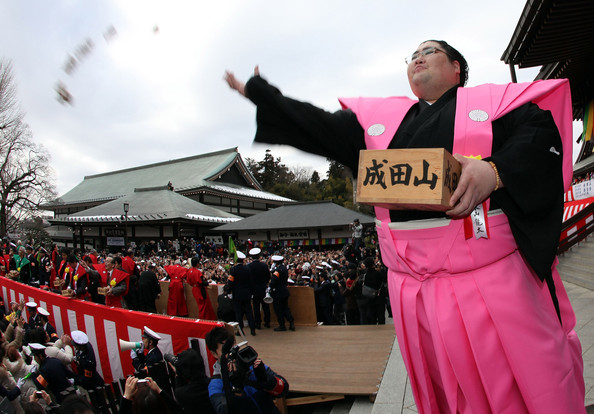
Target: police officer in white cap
{"x": 33, "y": 316}
{"x": 280, "y": 294}
{"x": 150, "y": 340}
{"x": 52, "y": 374}
{"x": 239, "y": 283}
{"x": 44, "y": 323}
{"x": 260, "y": 279}
{"x": 86, "y": 364}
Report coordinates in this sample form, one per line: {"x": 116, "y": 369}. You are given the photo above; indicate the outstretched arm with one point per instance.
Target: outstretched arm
{"x": 236, "y": 84}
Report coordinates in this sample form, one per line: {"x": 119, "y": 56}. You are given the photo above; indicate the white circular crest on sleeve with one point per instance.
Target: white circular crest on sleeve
{"x": 478, "y": 115}
{"x": 376, "y": 130}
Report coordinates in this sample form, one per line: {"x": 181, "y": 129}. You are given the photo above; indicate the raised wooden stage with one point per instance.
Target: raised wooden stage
{"x": 348, "y": 360}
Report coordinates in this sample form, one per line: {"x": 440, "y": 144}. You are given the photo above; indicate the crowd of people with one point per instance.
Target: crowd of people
{"x": 340, "y": 279}
{"x": 130, "y": 279}
{"x": 43, "y": 373}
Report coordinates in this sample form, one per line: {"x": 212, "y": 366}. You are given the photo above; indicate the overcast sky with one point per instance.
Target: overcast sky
{"x": 152, "y": 90}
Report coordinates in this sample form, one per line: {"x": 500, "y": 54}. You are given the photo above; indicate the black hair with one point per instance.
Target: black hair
{"x": 190, "y": 367}
{"x": 36, "y": 335}
{"x": 148, "y": 401}
{"x": 33, "y": 407}
{"x": 453, "y": 54}
{"x": 71, "y": 258}
{"x": 75, "y": 404}
{"x": 117, "y": 260}
{"x": 218, "y": 335}
{"x": 195, "y": 261}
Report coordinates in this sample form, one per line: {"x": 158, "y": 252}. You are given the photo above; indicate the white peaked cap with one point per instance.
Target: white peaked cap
{"x": 149, "y": 333}
{"x": 79, "y": 337}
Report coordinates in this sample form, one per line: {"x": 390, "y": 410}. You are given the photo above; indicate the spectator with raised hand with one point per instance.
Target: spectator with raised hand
{"x": 145, "y": 396}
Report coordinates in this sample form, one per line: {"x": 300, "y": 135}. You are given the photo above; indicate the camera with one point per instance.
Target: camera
{"x": 172, "y": 359}
{"x": 38, "y": 394}
{"x": 243, "y": 357}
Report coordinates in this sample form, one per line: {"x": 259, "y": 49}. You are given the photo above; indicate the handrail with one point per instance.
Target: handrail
{"x": 576, "y": 229}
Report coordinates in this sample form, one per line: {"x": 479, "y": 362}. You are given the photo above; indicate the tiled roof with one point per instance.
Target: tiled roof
{"x": 299, "y": 215}
{"x": 184, "y": 174}
{"x": 151, "y": 205}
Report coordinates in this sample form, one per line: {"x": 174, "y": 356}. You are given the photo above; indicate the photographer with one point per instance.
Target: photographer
{"x": 191, "y": 390}
{"x": 357, "y": 229}
{"x": 145, "y": 396}
{"x": 238, "y": 386}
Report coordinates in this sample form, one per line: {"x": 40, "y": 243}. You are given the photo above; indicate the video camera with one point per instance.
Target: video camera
{"x": 243, "y": 357}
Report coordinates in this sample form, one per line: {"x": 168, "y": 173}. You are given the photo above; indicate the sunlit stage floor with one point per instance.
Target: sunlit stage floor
{"x": 347, "y": 360}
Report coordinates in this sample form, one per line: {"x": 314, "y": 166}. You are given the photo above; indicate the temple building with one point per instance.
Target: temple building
{"x": 185, "y": 197}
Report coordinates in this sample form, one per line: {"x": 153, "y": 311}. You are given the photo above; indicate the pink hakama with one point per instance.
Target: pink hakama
{"x": 476, "y": 327}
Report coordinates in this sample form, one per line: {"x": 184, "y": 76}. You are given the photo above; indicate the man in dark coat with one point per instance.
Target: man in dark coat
{"x": 140, "y": 361}
{"x": 323, "y": 291}
{"x": 260, "y": 277}
{"x": 149, "y": 289}
{"x": 86, "y": 364}
{"x": 280, "y": 293}
{"x": 52, "y": 374}
{"x": 240, "y": 285}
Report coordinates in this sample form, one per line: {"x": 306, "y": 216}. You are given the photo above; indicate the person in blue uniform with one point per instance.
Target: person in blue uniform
{"x": 47, "y": 327}
{"x": 150, "y": 341}
{"x": 240, "y": 286}
{"x": 33, "y": 321}
{"x": 52, "y": 374}
{"x": 280, "y": 293}
{"x": 260, "y": 278}
{"x": 86, "y": 364}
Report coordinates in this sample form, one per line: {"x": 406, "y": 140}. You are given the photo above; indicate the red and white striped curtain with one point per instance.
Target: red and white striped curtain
{"x": 106, "y": 325}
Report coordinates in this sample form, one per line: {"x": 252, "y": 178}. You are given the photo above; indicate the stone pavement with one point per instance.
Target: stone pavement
{"x": 395, "y": 397}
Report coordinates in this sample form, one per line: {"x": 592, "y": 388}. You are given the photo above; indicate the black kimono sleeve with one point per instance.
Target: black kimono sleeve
{"x": 283, "y": 120}
{"x": 528, "y": 153}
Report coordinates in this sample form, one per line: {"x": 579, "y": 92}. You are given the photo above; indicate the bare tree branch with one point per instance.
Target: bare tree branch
{"x": 26, "y": 179}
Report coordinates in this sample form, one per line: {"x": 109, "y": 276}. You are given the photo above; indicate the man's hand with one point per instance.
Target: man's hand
{"x": 66, "y": 340}
{"x": 260, "y": 371}
{"x": 153, "y": 385}
{"x": 130, "y": 388}
{"x": 477, "y": 182}
{"x": 235, "y": 83}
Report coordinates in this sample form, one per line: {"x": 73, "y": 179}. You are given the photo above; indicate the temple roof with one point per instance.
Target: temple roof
{"x": 220, "y": 172}
{"x": 299, "y": 215}
{"x": 151, "y": 204}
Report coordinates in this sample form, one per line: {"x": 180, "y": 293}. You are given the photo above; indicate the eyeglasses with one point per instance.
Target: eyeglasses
{"x": 425, "y": 52}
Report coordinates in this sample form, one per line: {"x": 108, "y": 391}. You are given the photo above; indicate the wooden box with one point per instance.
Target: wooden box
{"x": 407, "y": 179}
{"x": 101, "y": 290}
{"x": 67, "y": 292}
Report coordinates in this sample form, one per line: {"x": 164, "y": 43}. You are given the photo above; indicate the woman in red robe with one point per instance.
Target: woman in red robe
{"x": 199, "y": 283}
{"x": 176, "y": 304}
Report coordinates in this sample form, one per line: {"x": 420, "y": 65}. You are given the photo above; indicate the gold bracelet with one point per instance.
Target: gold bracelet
{"x": 498, "y": 182}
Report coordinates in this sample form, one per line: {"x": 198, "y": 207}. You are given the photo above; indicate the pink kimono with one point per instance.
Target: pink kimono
{"x": 476, "y": 327}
